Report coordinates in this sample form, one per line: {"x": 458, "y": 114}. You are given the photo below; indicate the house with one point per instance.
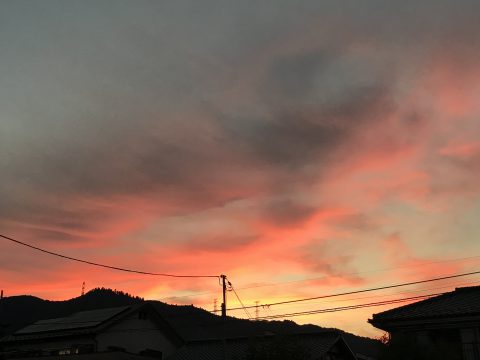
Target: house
{"x": 156, "y": 330}
{"x": 211, "y": 337}
{"x": 128, "y": 331}
{"x": 327, "y": 345}
{"x": 448, "y": 322}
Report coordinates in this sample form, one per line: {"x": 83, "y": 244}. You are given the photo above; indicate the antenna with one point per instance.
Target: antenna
{"x": 83, "y": 288}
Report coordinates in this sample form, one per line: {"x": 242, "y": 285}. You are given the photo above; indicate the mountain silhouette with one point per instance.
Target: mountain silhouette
{"x": 190, "y": 322}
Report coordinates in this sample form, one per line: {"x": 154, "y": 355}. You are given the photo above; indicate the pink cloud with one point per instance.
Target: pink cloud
{"x": 461, "y": 150}
{"x": 411, "y": 267}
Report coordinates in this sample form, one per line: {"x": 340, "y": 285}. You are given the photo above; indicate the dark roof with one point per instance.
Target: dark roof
{"x": 195, "y": 324}
{"x": 212, "y": 350}
{"x": 108, "y": 355}
{"x": 461, "y": 302}
{"x": 79, "y": 320}
{"x": 88, "y": 323}
{"x": 317, "y": 344}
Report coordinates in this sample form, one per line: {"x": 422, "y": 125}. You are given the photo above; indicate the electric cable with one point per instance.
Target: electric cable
{"x": 103, "y": 265}
{"x": 279, "y": 283}
{"x": 350, "y": 307}
{"x": 240, "y": 301}
{"x": 363, "y": 290}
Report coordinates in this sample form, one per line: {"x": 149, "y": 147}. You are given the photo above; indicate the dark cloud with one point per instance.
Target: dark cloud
{"x": 61, "y": 213}
{"x": 356, "y": 222}
{"x": 295, "y": 137}
{"x": 123, "y": 144}
{"x": 319, "y": 258}
{"x": 287, "y": 212}
{"x": 455, "y": 175}
{"x": 220, "y": 242}
{"x": 292, "y": 78}
{"x": 52, "y": 235}
{"x": 109, "y": 109}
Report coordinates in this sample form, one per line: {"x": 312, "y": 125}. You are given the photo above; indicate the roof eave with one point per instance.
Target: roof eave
{"x": 432, "y": 322}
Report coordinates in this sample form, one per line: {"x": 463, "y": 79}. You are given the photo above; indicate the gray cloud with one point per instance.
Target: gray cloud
{"x": 96, "y": 93}
{"x": 287, "y": 212}
{"x": 356, "y": 222}
{"x": 298, "y": 134}
{"x": 220, "y": 242}
{"x": 319, "y": 258}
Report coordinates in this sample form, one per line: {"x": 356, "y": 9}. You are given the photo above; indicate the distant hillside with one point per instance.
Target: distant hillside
{"x": 190, "y": 322}
{"x": 18, "y": 311}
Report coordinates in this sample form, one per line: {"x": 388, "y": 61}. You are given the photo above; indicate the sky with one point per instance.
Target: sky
{"x": 302, "y": 148}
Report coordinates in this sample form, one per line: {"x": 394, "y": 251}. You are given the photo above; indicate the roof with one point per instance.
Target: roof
{"x": 317, "y": 345}
{"x": 195, "y": 324}
{"x": 461, "y": 302}
{"x": 90, "y": 322}
{"x": 79, "y": 320}
{"x": 108, "y": 355}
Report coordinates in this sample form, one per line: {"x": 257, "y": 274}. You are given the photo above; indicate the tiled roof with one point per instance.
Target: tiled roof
{"x": 212, "y": 350}
{"x": 87, "y": 323}
{"x": 317, "y": 345}
{"x": 194, "y": 324}
{"x": 462, "y": 301}
{"x": 110, "y": 355}
{"x": 80, "y": 323}
{"x": 79, "y": 320}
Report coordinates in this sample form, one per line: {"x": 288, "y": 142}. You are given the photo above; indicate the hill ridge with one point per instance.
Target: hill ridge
{"x": 192, "y": 323}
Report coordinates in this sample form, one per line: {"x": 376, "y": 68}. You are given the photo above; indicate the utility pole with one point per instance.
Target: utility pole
{"x": 224, "y": 316}
{"x": 83, "y": 288}
{"x": 224, "y": 292}
{"x": 256, "y": 310}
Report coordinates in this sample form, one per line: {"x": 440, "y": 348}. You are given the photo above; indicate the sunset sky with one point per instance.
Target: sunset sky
{"x": 301, "y": 148}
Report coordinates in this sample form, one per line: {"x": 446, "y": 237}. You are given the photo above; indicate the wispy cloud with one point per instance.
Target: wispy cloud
{"x": 274, "y": 142}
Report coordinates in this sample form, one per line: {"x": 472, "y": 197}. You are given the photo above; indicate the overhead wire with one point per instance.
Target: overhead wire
{"x": 245, "y": 308}
{"x": 405, "y": 292}
{"x": 350, "y": 307}
{"x": 279, "y": 283}
{"x": 269, "y": 310}
{"x": 103, "y": 265}
{"x": 272, "y": 315}
{"x": 240, "y": 301}
{"x": 363, "y": 290}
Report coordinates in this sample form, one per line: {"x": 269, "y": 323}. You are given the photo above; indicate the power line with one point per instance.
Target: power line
{"x": 240, "y": 301}
{"x": 279, "y": 283}
{"x": 364, "y": 290}
{"x": 267, "y": 307}
{"x": 270, "y": 310}
{"x": 406, "y": 292}
{"x": 350, "y": 307}
{"x": 102, "y": 265}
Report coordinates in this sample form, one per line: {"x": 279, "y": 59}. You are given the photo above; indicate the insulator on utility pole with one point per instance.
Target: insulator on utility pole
{"x": 224, "y": 293}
